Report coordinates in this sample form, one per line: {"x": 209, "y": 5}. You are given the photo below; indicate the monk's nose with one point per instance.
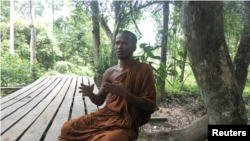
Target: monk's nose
{"x": 120, "y": 46}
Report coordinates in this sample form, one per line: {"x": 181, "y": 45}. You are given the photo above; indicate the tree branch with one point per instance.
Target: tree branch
{"x": 106, "y": 29}
{"x": 141, "y": 7}
{"x": 122, "y": 10}
{"x": 136, "y": 2}
{"x": 131, "y": 12}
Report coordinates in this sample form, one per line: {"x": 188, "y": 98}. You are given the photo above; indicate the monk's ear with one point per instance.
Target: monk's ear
{"x": 134, "y": 47}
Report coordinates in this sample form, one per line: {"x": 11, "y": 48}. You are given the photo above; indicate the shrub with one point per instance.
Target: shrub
{"x": 77, "y": 60}
{"x": 16, "y": 71}
{"x": 63, "y": 67}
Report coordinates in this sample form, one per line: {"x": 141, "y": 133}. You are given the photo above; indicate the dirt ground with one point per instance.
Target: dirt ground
{"x": 180, "y": 112}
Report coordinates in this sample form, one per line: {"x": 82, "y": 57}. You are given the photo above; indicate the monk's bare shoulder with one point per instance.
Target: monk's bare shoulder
{"x": 108, "y": 73}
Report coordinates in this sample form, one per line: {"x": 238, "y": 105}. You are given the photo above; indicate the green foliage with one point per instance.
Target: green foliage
{"x": 233, "y": 20}
{"x": 3, "y": 95}
{"x": 154, "y": 121}
{"x": 15, "y": 71}
{"x": 5, "y": 11}
{"x": 67, "y": 68}
{"x": 103, "y": 64}
{"x": 47, "y": 49}
{"x": 72, "y": 40}
{"x": 143, "y": 136}
{"x": 161, "y": 70}
{"x": 63, "y": 67}
{"x": 77, "y": 60}
{"x": 83, "y": 71}
{"x": 46, "y": 44}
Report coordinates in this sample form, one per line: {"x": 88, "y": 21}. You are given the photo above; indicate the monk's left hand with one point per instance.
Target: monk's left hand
{"x": 117, "y": 88}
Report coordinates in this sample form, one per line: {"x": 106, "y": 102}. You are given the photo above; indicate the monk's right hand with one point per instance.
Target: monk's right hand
{"x": 86, "y": 90}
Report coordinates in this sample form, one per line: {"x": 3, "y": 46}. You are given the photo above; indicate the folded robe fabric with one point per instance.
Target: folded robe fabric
{"x": 119, "y": 120}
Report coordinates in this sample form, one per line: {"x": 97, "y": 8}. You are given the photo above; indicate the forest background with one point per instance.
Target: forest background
{"x": 77, "y": 38}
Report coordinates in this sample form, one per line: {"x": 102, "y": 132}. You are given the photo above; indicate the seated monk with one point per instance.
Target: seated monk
{"x": 132, "y": 101}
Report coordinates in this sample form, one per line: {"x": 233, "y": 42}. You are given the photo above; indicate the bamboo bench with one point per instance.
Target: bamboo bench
{"x": 38, "y": 111}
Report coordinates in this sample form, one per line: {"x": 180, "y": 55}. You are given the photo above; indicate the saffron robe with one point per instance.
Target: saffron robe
{"x": 119, "y": 120}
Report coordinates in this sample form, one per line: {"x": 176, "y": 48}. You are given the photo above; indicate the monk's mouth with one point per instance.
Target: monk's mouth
{"x": 119, "y": 52}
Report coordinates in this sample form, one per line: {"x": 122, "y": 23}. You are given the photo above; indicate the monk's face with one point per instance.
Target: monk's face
{"x": 124, "y": 47}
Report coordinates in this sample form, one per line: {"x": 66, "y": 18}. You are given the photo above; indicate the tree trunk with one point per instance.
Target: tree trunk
{"x": 32, "y": 42}
{"x": 211, "y": 64}
{"x": 106, "y": 29}
{"x": 53, "y": 10}
{"x": 117, "y": 5}
{"x": 212, "y": 67}
{"x": 242, "y": 58}
{"x": 183, "y": 64}
{"x": 96, "y": 40}
{"x": 195, "y": 132}
{"x": 11, "y": 26}
{"x": 164, "y": 41}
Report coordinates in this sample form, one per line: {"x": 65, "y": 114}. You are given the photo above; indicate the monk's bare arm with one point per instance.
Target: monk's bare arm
{"x": 99, "y": 98}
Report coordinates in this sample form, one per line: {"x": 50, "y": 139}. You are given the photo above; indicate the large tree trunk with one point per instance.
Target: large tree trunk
{"x": 242, "y": 58}
{"x": 164, "y": 41}
{"x": 211, "y": 64}
{"x": 213, "y": 68}
{"x": 12, "y": 26}
{"x": 32, "y": 41}
{"x": 96, "y": 40}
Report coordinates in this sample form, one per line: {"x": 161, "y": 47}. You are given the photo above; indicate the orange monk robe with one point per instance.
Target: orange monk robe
{"x": 119, "y": 120}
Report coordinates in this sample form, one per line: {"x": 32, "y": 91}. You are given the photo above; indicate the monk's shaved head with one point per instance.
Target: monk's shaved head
{"x": 133, "y": 38}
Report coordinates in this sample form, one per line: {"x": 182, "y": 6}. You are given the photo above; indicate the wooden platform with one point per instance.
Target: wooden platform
{"x": 38, "y": 111}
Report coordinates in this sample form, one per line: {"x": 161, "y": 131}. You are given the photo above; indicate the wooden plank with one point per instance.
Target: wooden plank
{"x": 78, "y": 106}
{"x": 91, "y": 107}
{"x": 91, "y": 81}
{"x": 22, "y": 125}
{"x": 63, "y": 113}
{"x": 25, "y": 95}
{"x": 17, "y": 115}
{"x": 38, "y": 128}
{"x": 17, "y": 93}
{"x": 7, "y": 111}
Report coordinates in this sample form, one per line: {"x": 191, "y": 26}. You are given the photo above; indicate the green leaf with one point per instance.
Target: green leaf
{"x": 181, "y": 54}
{"x": 172, "y": 72}
{"x": 169, "y": 83}
{"x": 143, "y": 45}
{"x": 155, "y": 47}
{"x": 158, "y": 94}
{"x": 154, "y": 121}
{"x": 163, "y": 65}
{"x": 154, "y": 69}
{"x": 150, "y": 54}
{"x": 170, "y": 65}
